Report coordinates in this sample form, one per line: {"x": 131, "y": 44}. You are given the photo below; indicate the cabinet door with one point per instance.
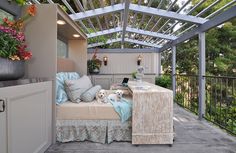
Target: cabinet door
{"x": 3, "y": 132}
{"x": 104, "y": 80}
{"x": 29, "y": 117}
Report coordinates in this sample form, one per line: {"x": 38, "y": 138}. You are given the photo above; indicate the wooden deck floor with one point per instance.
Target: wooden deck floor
{"x": 192, "y": 136}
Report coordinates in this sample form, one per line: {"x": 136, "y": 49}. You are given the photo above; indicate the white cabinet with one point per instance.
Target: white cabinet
{"x": 28, "y": 116}
{"x": 3, "y": 125}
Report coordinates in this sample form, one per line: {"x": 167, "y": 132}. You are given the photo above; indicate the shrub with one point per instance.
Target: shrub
{"x": 163, "y": 81}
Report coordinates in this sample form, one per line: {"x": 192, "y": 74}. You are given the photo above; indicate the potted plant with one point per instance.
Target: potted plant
{"x": 13, "y": 49}
{"x": 94, "y": 64}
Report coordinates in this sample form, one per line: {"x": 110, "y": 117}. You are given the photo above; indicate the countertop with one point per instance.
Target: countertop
{"x": 21, "y": 82}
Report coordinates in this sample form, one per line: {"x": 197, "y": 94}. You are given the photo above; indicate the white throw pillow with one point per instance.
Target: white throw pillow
{"x": 75, "y": 88}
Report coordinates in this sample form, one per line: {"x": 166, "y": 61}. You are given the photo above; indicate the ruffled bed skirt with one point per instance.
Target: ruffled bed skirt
{"x": 101, "y": 131}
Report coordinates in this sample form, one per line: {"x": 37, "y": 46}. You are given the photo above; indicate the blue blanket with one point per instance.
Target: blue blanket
{"x": 123, "y": 108}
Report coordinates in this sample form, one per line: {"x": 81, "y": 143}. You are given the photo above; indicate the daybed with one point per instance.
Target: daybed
{"x": 92, "y": 121}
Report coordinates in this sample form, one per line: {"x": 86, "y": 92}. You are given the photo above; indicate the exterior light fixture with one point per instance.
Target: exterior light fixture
{"x": 61, "y": 22}
{"x": 76, "y": 35}
{"x": 105, "y": 59}
{"x": 139, "y": 60}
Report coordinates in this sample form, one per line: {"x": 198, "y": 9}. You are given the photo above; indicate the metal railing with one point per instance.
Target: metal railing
{"x": 220, "y": 99}
{"x": 221, "y": 102}
{"x": 187, "y": 92}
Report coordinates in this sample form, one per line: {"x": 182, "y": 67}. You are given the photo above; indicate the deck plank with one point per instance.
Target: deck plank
{"x": 192, "y": 136}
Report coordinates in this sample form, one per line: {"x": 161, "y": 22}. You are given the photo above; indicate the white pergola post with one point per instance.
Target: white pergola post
{"x": 174, "y": 70}
{"x": 202, "y": 72}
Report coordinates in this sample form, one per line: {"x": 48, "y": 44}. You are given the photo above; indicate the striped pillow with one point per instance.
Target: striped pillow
{"x": 90, "y": 94}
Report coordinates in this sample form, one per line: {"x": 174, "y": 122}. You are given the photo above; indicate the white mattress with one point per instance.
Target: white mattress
{"x": 86, "y": 111}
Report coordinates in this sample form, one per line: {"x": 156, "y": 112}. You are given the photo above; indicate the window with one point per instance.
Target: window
{"x": 4, "y": 14}
{"x": 62, "y": 49}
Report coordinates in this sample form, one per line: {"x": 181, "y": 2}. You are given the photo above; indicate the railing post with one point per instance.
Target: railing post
{"x": 202, "y": 72}
{"x": 174, "y": 70}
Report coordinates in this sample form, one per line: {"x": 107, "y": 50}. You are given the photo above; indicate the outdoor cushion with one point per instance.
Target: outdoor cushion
{"x": 75, "y": 88}
{"x": 90, "y": 94}
{"x": 61, "y": 95}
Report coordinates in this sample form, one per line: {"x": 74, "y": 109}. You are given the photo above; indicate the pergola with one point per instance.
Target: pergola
{"x": 160, "y": 40}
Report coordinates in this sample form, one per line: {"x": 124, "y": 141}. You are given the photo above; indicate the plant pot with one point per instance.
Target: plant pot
{"x": 11, "y": 70}
{"x": 94, "y": 71}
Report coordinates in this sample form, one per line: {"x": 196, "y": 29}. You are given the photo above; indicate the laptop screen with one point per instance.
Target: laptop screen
{"x": 125, "y": 80}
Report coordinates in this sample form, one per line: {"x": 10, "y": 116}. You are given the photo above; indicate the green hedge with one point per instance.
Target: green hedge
{"x": 163, "y": 81}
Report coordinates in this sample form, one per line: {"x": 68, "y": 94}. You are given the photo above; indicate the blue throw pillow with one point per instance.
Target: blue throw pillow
{"x": 61, "y": 95}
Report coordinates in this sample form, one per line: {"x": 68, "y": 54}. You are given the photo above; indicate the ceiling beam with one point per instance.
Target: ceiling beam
{"x": 166, "y": 14}
{"x": 217, "y": 20}
{"x": 97, "y": 12}
{"x": 125, "y": 21}
{"x": 132, "y": 30}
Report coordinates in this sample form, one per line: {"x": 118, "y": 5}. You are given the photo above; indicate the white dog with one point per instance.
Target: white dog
{"x": 101, "y": 96}
{"x": 116, "y": 96}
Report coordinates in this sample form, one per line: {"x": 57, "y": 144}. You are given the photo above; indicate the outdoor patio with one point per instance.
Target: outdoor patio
{"x": 111, "y": 40}
{"x": 192, "y": 136}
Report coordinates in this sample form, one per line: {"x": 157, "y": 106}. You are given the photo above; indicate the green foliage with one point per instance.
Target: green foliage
{"x": 8, "y": 45}
{"x": 102, "y": 38}
{"x": 163, "y": 81}
{"x": 134, "y": 74}
{"x": 94, "y": 64}
{"x": 19, "y": 2}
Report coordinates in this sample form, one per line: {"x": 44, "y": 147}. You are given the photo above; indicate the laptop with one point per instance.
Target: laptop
{"x": 125, "y": 82}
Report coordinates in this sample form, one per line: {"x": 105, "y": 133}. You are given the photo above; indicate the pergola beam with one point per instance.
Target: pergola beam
{"x": 97, "y": 12}
{"x": 217, "y": 20}
{"x": 36, "y": 1}
{"x": 125, "y": 50}
{"x": 142, "y": 43}
{"x": 104, "y": 32}
{"x": 132, "y": 30}
{"x": 102, "y": 43}
{"x": 125, "y": 21}
{"x": 126, "y": 40}
{"x": 166, "y": 14}
{"x": 152, "y": 34}
{"x": 137, "y": 8}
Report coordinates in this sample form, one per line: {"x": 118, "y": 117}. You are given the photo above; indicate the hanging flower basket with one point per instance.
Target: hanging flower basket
{"x": 13, "y": 48}
{"x": 94, "y": 64}
{"x": 11, "y": 70}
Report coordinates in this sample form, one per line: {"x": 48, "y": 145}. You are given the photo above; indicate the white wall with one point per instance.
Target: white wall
{"x": 119, "y": 63}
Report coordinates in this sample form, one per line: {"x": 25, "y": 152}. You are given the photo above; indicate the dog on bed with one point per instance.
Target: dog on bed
{"x": 116, "y": 97}
{"x": 101, "y": 96}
